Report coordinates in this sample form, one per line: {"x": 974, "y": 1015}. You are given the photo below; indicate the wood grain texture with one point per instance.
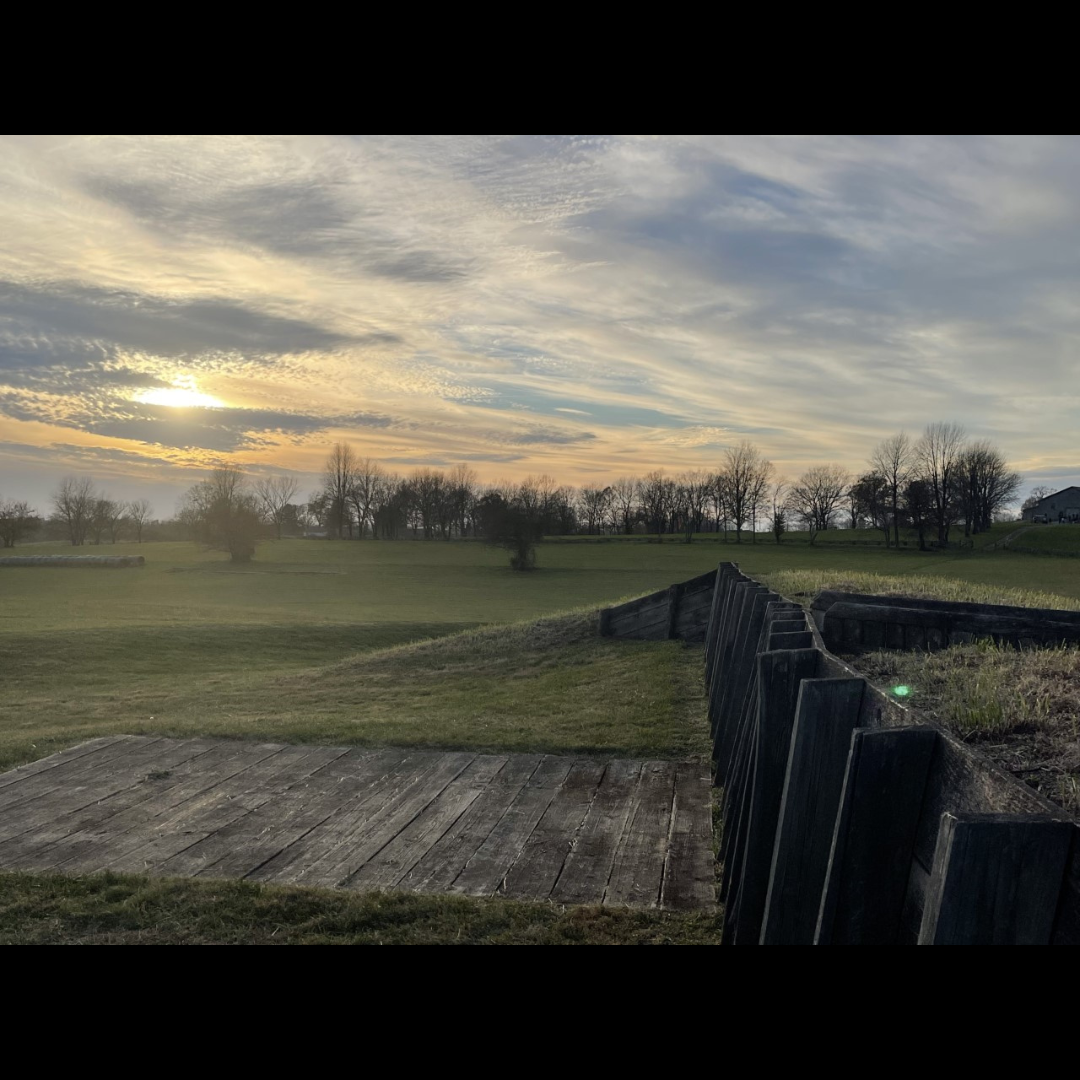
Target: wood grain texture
{"x": 526, "y": 826}
{"x": 991, "y": 877}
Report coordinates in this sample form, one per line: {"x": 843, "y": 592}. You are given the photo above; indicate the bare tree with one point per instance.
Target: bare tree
{"x": 16, "y": 520}
{"x": 624, "y": 494}
{"x": 656, "y": 494}
{"x": 746, "y": 475}
{"x": 1037, "y": 495}
{"x": 367, "y": 478}
{"x": 274, "y": 493}
{"x": 138, "y": 513}
{"x": 816, "y": 496}
{"x": 596, "y": 506}
{"x": 893, "y": 460}
{"x": 987, "y": 483}
{"x": 74, "y": 502}
{"x": 339, "y": 477}
{"x": 778, "y": 514}
{"x": 940, "y": 454}
{"x": 694, "y": 490}
{"x": 462, "y": 484}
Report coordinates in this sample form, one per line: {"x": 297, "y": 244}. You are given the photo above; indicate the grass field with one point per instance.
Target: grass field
{"x": 374, "y": 643}
{"x": 1051, "y": 540}
{"x": 291, "y": 647}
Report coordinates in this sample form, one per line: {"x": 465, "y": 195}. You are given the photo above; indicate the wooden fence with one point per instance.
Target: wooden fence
{"x": 847, "y": 818}
{"x": 851, "y": 622}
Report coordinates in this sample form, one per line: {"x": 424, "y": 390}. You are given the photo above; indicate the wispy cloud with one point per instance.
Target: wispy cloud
{"x": 577, "y": 305}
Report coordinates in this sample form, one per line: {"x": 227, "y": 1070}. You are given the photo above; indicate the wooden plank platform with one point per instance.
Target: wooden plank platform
{"x": 523, "y": 826}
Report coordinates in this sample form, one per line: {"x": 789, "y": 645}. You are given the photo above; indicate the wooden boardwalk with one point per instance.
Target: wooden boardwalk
{"x": 524, "y": 826}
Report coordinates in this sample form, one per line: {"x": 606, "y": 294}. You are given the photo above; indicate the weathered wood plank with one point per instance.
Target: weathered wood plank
{"x": 587, "y": 869}
{"x": 996, "y": 880}
{"x": 74, "y": 775}
{"x": 390, "y": 864}
{"x": 870, "y": 860}
{"x": 543, "y": 855}
{"x": 270, "y": 830}
{"x": 440, "y": 866}
{"x": 254, "y": 782}
{"x": 53, "y": 761}
{"x": 689, "y": 871}
{"x": 85, "y": 790}
{"x": 826, "y": 714}
{"x": 84, "y": 849}
{"x": 780, "y": 675}
{"x": 637, "y": 875}
{"x": 34, "y": 849}
{"x": 484, "y": 873}
{"x": 346, "y": 841}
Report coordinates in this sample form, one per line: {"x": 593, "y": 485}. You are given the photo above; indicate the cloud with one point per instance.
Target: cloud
{"x": 578, "y": 305}
{"x": 126, "y": 319}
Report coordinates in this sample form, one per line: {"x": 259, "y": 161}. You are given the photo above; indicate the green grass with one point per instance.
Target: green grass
{"x": 801, "y": 585}
{"x": 1050, "y": 540}
{"x": 113, "y": 909}
{"x": 550, "y": 685}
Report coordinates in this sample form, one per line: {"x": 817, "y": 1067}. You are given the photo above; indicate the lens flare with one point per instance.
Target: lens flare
{"x": 902, "y": 691}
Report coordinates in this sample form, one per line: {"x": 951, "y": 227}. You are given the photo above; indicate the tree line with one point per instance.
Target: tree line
{"x": 931, "y": 484}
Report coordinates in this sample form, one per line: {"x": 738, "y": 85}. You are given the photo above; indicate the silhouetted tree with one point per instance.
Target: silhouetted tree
{"x": 274, "y": 494}
{"x": 74, "y": 501}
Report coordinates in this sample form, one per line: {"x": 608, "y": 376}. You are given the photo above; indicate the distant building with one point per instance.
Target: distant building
{"x": 1063, "y": 505}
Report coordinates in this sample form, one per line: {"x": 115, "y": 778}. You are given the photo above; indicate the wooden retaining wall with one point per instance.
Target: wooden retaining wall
{"x": 851, "y": 622}
{"x": 681, "y": 611}
{"x": 849, "y": 819}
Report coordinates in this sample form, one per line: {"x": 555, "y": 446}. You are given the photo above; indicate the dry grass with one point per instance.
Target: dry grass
{"x": 1020, "y": 705}
{"x": 801, "y": 585}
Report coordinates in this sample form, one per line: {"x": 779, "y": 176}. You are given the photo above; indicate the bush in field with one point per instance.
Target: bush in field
{"x": 223, "y": 514}
{"x": 511, "y": 526}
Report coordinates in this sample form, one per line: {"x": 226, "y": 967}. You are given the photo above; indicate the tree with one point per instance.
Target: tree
{"x": 940, "y": 453}
{"x": 1037, "y": 495}
{"x": 339, "y": 477}
{"x": 512, "y": 526}
{"x": 624, "y": 494}
{"x": 138, "y": 514}
{"x": 274, "y": 494}
{"x": 871, "y": 499}
{"x": 16, "y": 521}
{"x": 816, "y": 496}
{"x": 461, "y": 494}
{"x": 222, "y": 513}
{"x": 74, "y": 501}
{"x": 919, "y": 505}
{"x": 778, "y": 515}
{"x": 692, "y": 491}
{"x": 987, "y": 485}
{"x": 893, "y": 461}
{"x": 656, "y": 495}
{"x": 364, "y": 492}
{"x": 596, "y": 506}
{"x": 746, "y": 479}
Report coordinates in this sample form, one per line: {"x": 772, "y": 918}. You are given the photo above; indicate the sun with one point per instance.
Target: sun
{"x": 179, "y": 397}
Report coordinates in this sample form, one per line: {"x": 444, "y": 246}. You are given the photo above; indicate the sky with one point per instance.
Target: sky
{"x": 584, "y": 306}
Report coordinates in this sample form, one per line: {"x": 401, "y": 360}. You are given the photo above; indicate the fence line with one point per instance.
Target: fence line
{"x": 847, "y": 818}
